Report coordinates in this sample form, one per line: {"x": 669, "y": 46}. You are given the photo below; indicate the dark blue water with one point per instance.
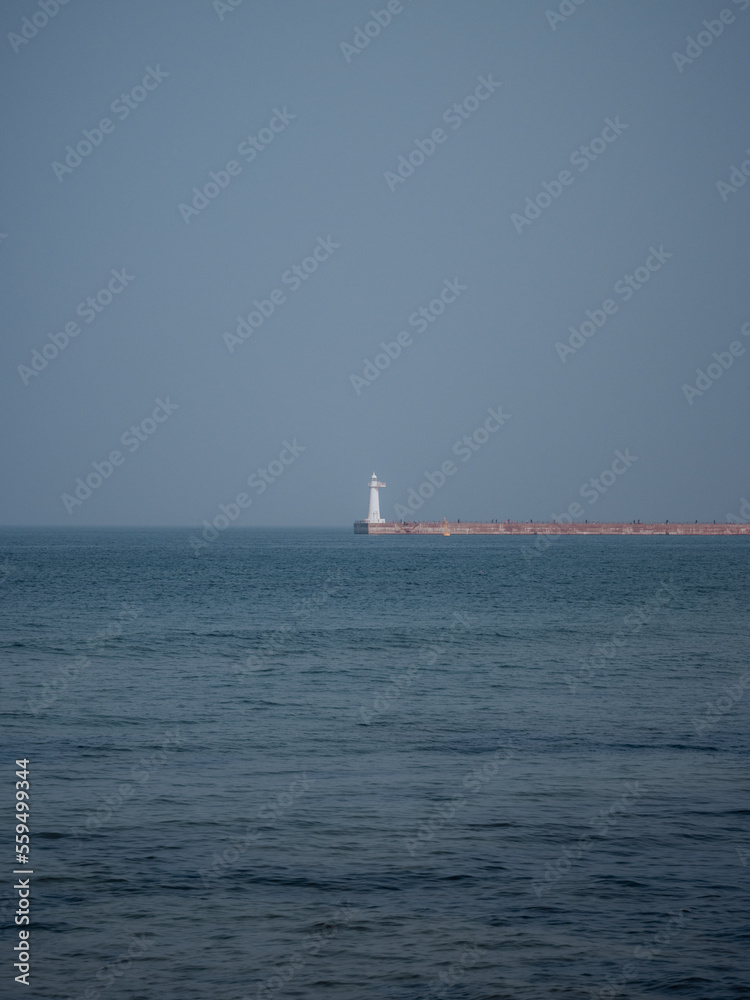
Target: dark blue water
{"x": 317, "y": 765}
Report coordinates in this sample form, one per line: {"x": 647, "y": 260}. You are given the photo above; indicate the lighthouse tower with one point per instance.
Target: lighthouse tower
{"x": 373, "y": 515}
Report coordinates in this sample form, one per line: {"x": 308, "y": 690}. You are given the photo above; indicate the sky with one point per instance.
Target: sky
{"x": 315, "y": 174}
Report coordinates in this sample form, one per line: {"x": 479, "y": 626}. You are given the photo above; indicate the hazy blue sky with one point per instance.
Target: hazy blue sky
{"x": 203, "y": 77}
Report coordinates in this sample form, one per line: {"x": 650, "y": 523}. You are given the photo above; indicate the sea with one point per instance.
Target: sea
{"x": 303, "y": 763}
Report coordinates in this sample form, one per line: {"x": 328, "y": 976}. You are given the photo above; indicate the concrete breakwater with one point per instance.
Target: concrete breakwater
{"x": 545, "y": 528}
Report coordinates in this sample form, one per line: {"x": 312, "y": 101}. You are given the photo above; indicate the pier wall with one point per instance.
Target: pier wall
{"x": 545, "y": 528}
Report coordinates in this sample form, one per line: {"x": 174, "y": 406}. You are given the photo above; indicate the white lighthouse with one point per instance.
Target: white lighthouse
{"x": 373, "y": 514}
